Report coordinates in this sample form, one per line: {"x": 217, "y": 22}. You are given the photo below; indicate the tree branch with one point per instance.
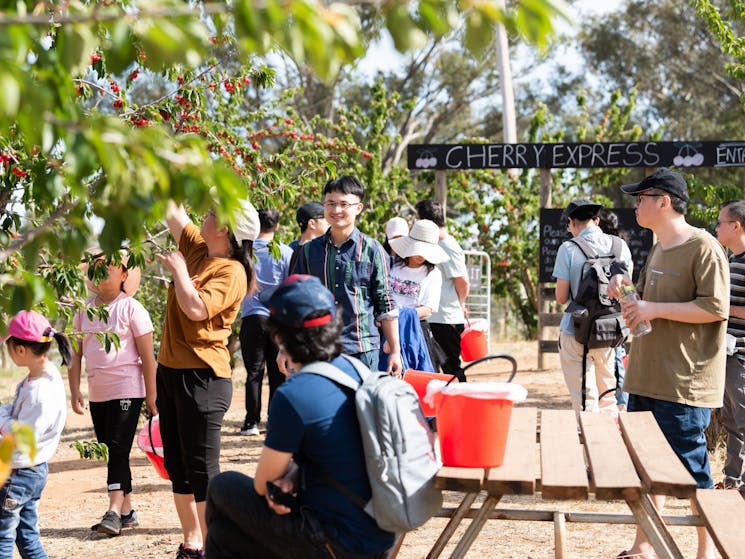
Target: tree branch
{"x": 48, "y": 223}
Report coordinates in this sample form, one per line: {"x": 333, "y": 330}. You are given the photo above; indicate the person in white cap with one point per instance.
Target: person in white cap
{"x": 394, "y": 228}
{"x": 212, "y": 272}
{"x": 416, "y": 283}
{"x": 119, "y": 379}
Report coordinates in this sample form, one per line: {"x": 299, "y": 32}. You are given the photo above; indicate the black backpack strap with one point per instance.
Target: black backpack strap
{"x": 589, "y": 253}
{"x": 585, "y": 351}
{"x": 341, "y": 488}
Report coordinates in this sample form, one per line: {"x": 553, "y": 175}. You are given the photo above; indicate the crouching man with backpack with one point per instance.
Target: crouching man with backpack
{"x": 592, "y": 324}
{"x": 291, "y": 508}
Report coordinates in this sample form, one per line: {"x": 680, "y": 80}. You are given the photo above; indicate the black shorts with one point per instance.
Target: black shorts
{"x": 191, "y": 404}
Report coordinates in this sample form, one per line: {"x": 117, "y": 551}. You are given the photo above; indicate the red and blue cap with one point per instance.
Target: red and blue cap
{"x": 297, "y": 298}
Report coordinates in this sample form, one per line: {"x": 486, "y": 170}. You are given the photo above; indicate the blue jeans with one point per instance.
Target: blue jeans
{"x": 19, "y": 520}
{"x": 684, "y": 428}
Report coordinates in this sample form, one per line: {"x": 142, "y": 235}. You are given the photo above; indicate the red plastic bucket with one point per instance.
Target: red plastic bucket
{"x": 419, "y": 380}
{"x": 149, "y": 441}
{"x": 473, "y": 344}
{"x": 473, "y": 426}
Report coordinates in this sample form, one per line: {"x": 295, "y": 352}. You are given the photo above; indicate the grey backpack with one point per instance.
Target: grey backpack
{"x": 398, "y": 444}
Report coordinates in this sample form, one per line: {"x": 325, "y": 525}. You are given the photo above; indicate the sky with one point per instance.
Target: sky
{"x": 384, "y": 57}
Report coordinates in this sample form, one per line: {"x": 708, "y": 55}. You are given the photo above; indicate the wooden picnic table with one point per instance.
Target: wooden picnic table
{"x": 629, "y": 464}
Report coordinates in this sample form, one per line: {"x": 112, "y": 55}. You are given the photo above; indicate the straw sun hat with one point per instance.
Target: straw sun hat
{"x": 131, "y": 284}
{"x": 422, "y": 241}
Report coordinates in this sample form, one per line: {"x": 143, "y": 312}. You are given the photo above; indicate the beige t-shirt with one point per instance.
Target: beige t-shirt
{"x": 222, "y": 285}
{"x": 679, "y": 361}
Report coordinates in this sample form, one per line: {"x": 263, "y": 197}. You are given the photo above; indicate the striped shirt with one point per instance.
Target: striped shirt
{"x": 736, "y": 326}
{"x": 357, "y": 274}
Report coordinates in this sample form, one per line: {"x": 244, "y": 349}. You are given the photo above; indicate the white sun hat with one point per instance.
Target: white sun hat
{"x": 422, "y": 241}
{"x": 247, "y": 225}
{"x": 396, "y": 227}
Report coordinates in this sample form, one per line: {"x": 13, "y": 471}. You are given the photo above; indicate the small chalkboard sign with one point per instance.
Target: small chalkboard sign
{"x": 554, "y": 232}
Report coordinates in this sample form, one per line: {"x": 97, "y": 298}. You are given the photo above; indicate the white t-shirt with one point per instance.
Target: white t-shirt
{"x": 118, "y": 373}
{"x": 450, "y": 310}
{"x": 415, "y": 287}
{"x": 41, "y": 404}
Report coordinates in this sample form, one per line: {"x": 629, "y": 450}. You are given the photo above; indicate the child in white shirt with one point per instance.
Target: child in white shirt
{"x": 40, "y": 403}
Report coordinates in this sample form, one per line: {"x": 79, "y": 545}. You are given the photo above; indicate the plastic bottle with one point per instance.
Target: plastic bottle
{"x": 629, "y": 294}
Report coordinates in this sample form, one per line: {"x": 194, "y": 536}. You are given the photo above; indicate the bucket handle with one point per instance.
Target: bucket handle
{"x": 506, "y": 356}
{"x": 150, "y": 434}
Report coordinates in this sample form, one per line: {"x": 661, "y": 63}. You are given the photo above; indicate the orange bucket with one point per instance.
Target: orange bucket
{"x": 472, "y": 425}
{"x": 419, "y": 380}
{"x": 149, "y": 441}
{"x": 473, "y": 344}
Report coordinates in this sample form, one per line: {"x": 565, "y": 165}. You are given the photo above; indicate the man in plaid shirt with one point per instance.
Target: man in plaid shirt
{"x": 354, "y": 267}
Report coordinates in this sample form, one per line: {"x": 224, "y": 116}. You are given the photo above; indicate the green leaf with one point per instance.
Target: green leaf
{"x": 406, "y": 35}
{"x": 119, "y": 51}
{"x": 171, "y": 42}
{"x": 77, "y": 43}
{"x": 438, "y": 16}
{"x": 479, "y": 33}
{"x": 10, "y": 94}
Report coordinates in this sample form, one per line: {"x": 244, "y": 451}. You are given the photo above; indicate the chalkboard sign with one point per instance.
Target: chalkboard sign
{"x": 590, "y": 155}
{"x": 554, "y": 232}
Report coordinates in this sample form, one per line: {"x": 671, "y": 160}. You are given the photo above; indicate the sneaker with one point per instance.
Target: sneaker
{"x": 249, "y": 428}
{"x": 189, "y": 553}
{"x": 111, "y": 524}
{"x": 130, "y": 520}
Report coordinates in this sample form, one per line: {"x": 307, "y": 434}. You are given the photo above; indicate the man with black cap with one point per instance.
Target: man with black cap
{"x": 311, "y": 221}
{"x": 597, "y": 365}
{"x": 677, "y": 370}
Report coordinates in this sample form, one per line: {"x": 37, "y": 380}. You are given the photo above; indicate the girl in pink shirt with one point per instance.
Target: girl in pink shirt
{"x": 118, "y": 380}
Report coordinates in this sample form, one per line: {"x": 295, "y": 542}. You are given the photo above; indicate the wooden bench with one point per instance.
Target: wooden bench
{"x": 629, "y": 464}
{"x": 724, "y": 515}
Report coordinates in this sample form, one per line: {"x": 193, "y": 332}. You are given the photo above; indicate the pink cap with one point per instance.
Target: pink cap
{"x": 31, "y": 327}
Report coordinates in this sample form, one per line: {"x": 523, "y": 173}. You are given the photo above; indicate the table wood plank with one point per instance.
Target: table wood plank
{"x": 723, "y": 512}
{"x": 468, "y": 480}
{"x": 661, "y": 471}
{"x": 613, "y": 473}
{"x": 563, "y": 470}
{"x": 516, "y": 476}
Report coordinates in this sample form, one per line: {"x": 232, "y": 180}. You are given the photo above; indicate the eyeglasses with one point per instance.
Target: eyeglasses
{"x": 340, "y": 205}
{"x": 640, "y": 198}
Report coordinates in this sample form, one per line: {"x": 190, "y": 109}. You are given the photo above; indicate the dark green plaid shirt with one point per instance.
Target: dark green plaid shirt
{"x": 357, "y": 274}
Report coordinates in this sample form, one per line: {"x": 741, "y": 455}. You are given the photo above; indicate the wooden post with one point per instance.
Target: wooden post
{"x": 560, "y": 546}
{"x": 441, "y": 190}
{"x": 544, "y": 179}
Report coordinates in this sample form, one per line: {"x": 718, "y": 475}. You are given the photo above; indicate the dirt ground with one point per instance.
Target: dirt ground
{"x": 75, "y": 495}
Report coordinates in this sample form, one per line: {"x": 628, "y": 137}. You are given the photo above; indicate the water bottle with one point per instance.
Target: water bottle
{"x": 628, "y": 294}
